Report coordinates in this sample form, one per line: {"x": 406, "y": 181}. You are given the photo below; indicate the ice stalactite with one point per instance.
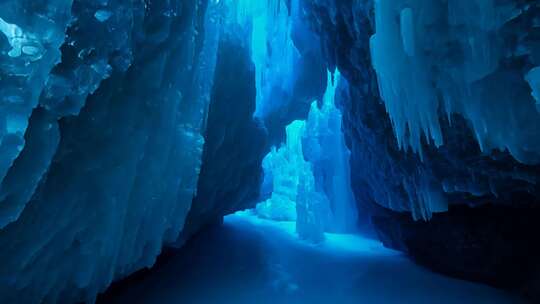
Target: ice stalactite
{"x": 435, "y": 57}
{"x": 21, "y": 42}
{"x": 272, "y": 49}
{"x": 325, "y": 148}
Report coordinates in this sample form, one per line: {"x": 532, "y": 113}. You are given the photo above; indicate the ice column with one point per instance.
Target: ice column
{"x": 310, "y": 173}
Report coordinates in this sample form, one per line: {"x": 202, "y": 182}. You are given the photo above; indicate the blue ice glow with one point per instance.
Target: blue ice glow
{"x": 457, "y": 73}
{"x": 325, "y": 149}
{"x": 336, "y": 243}
{"x": 272, "y": 49}
{"x": 283, "y": 168}
{"x": 310, "y": 173}
{"x": 95, "y": 180}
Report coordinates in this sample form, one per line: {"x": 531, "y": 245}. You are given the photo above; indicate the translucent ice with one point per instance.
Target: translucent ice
{"x": 325, "y": 149}
{"x": 100, "y": 140}
{"x": 310, "y": 173}
{"x": 21, "y": 43}
{"x": 272, "y": 49}
{"x": 102, "y": 15}
{"x": 462, "y": 57}
{"x": 285, "y": 165}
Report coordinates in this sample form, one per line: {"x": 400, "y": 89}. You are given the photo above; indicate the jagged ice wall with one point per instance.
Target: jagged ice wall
{"x": 104, "y": 105}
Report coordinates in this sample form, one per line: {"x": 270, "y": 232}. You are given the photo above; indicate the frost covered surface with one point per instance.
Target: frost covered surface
{"x": 477, "y": 59}
{"x": 111, "y": 103}
{"x": 265, "y": 262}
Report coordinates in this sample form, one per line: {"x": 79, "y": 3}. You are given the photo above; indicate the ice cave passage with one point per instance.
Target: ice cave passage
{"x": 302, "y": 244}
{"x": 269, "y": 151}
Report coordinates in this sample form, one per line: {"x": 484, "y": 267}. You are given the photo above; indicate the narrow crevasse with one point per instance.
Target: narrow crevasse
{"x": 127, "y": 127}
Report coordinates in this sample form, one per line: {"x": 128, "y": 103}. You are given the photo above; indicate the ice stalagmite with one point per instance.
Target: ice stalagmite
{"x": 311, "y": 172}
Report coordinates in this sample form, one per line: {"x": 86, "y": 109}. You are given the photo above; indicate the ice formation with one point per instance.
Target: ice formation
{"x": 235, "y": 142}
{"x": 435, "y": 57}
{"x": 283, "y": 168}
{"x": 105, "y": 104}
{"x": 309, "y": 174}
{"x": 101, "y": 139}
{"x": 26, "y": 63}
{"x": 290, "y": 69}
{"x": 325, "y": 148}
{"x": 272, "y": 49}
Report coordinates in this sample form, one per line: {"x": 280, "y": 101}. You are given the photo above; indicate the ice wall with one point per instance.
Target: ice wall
{"x": 477, "y": 59}
{"x": 30, "y": 48}
{"x": 111, "y": 98}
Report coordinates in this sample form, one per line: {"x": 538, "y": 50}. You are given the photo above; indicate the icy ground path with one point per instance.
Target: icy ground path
{"x": 253, "y": 261}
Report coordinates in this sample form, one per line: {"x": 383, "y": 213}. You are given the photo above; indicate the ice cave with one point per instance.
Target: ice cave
{"x": 269, "y": 151}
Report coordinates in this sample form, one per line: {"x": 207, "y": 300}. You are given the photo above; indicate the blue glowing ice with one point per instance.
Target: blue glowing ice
{"x": 284, "y": 166}
{"x": 452, "y": 58}
{"x": 310, "y": 173}
{"x": 272, "y": 49}
{"x": 101, "y": 138}
{"x": 325, "y": 149}
{"x": 266, "y": 263}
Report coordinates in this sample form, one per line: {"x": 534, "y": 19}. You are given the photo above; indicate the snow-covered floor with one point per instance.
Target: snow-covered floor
{"x": 254, "y": 261}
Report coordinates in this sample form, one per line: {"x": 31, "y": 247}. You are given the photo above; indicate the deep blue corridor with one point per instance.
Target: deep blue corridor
{"x": 129, "y": 127}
